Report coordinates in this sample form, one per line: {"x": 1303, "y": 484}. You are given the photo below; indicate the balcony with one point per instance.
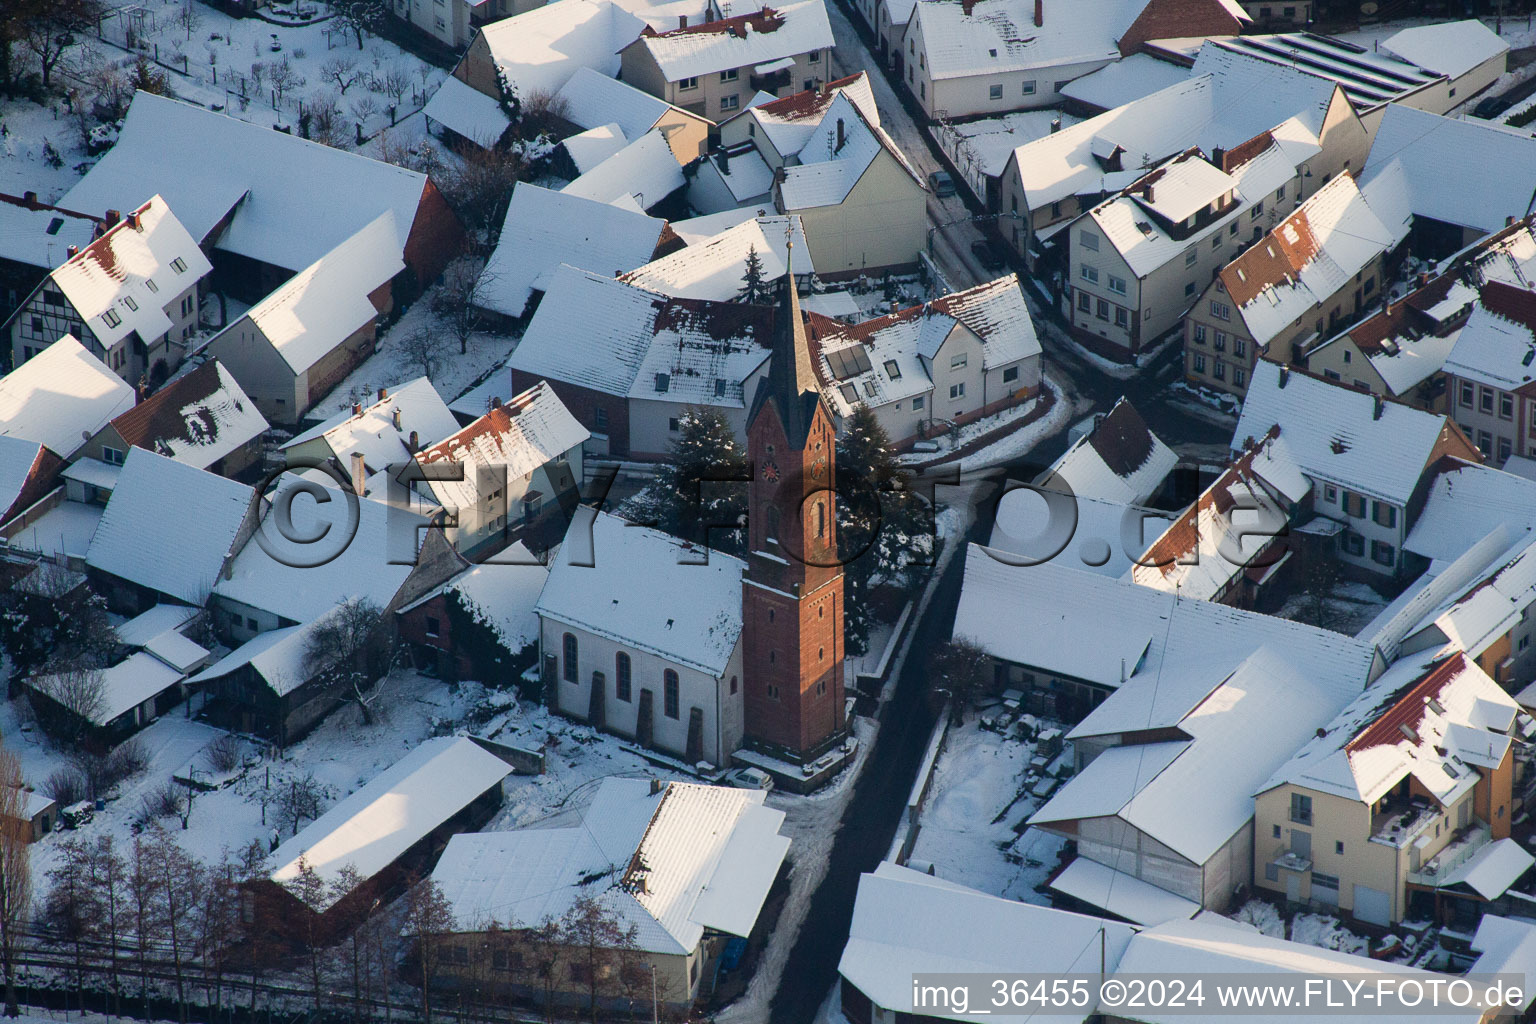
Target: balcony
{"x": 1435, "y": 871}
{"x": 772, "y": 81}
{"x": 1401, "y": 824}
{"x": 1290, "y": 860}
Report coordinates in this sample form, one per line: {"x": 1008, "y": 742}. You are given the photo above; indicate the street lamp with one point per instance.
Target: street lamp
{"x": 655, "y": 1013}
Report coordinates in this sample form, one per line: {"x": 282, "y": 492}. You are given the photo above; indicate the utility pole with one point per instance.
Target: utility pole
{"x": 655, "y": 1012}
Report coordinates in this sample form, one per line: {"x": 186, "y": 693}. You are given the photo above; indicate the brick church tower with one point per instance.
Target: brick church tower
{"x": 792, "y": 594}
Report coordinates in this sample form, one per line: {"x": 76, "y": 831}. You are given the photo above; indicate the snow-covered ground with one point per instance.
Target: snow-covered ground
{"x": 1348, "y": 608}
{"x": 1011, "y": 445}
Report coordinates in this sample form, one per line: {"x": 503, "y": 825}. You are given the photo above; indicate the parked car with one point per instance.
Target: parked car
{"x": 748, "y": 778}
{"x": 942, "y": 184}
{"x": 1491, "y": 106}
{"x": 986, "y": 255}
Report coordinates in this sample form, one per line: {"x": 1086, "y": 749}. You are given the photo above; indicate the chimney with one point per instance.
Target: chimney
{"x": 1423, "y": 278}
{"x": 359, "y": 474}
{"x": 31, "y": 199}
{"x": 841, "y": 137}
{"x": 73, "y": 251}
{"x": 113, "y": 216}
{"x": 1380, "y": 404}
{"x": 133, "y": 222}
{"x": 383, "y": 393}
{"x": 1509, "y": 221}
{"x": 682, "y": 21}
{"x": 1147, "y": 193}
{"x": 723, "y": 159}
{"x": 1219, "y": 157}
{"x": 496, "y": 402}
{"x": 895, "y": 307}
{"x": 415, "y": 442}
{"x": 1285, "y": 375}
{"x": 1039, "y": 13}
{"x": 396, "y": 417}
{"x": 357, "y": 410}
{"x": 656, "y": 786}
{"x": 1055, "y": 125}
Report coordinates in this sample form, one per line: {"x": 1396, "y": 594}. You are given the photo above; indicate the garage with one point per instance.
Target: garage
{"x": 1372, "y": 905}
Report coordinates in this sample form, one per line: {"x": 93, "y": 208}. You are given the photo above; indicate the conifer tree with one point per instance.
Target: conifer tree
{"x": 699, "y": 493}
{"x": 754, "y": 287}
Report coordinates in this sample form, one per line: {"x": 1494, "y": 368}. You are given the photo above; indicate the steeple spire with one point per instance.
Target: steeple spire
{"x": 791, "y": 380}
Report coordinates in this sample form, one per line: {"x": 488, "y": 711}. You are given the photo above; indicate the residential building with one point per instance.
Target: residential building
{"x": 822, "y": 155}
{"x": 714, "y": 268}
{"x": 1139, "y": 259}
{"x": 684, "y": 867}
{"x": 591, "y": 99}
{"x": 1387, "y": 810}
{"x": 450, "y": 24}
{"x": 36, "y": 815}
{"x": 715, "y": 68}
{"x": 1320, "y": 267}
{"x": 1117, "y": 459}
{"x": 539, "y": 50}
{"x": 133, "y": 693}
{"x": 1106, "y": 535}
{"x": 1468, "y": 53}
{"x": 1370, "y": 461}
{"x": 28, "y": 472}
{"x": 34, "y": 239}
{"x": 386, "y": 434}
{"x": 1464, "y": 503}
{"x": 293, "y": 346}
{"x": 481, "y": 624}
{"x": 389, "y": 829}
{"x": 1267, "y": 14}
{"x": 131, "y": 296}
{"x": 642, "y": 175}
{"x": 257, "y": 227}
{"x": 513, "y": 473}
{"x": 630, "y": 362}
{"x": 930, "y": 368}
{"x": 993, "y": 56}
{"x": 674, "y": 663}
{"x": 61, "y": 397}
{"x": 201, "y": 418}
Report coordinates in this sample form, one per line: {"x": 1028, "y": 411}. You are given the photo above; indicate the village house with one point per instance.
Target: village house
{"x": 642, "y": 175}
{"x": 933, "y": 367}
{"x": 37, "y": 815}
{"x": 591, "y": 99}
{"x": 714, "y": 68}
{"x": 201, "y": 418}
{"x": 481, "y": 624}
{"x": 539, "y": 50}
{"x": 242, "y": 209}
{"x": 514, "y": 473}
{"x": 629, "y": 362}
{"x": 1274, "y": 13}
{"x": 392, "y": 828}
{"x": 1369, "y": 460}
{"x": 293, "y": 346}
{"x": 1117, "y": 459}
{"x": 715, "y": 267}
{"x": 131, "y": 296}
{"x": 450, "y": 24}
{"x": 376, "y": 438}
{"x": 1400, "y": 807}
{"x": 28, "y": 473}
{"x": 675, "y": 665}
{"x": 684, "y": 867}
{"x": 35, "y": 237}
{"x": 61, "y": 397}
{"x": 993, "y": 56}
{"x": 1320, "y": 267}
{"x": 821, "y": 154}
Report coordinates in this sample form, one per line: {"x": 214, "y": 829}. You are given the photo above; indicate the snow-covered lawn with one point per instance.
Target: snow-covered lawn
{"x": 1348, "y": 608}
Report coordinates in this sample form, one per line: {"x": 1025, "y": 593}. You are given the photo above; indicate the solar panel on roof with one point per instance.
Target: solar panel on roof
{"x": 848, "y": 362}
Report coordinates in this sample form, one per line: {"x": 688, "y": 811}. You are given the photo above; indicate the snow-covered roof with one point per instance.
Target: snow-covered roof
{"x": 1162, "y": 654}
{"x": 372, "y": 432}
{"x": 670, "y": 859}
{"x": 1506, "y": 944}
{"x": 1193, "y": 795}
{"x": 323, "y": 305}
{"x": 544, "y": 229}
{"x": 126, "y": 685}
{"x": 744, "y": 40}
{"x": 277, "y": 656}
{"x": 115, "y": 282}
{"x": 992, "y": 37}
{"x": 370, "y": 829}
{"x": 1213, "y": 946}
{"x": 907, "y": 923}
{"x": 1124, "y": 896}
{"x": 644, "y": 170}
{"x": 686, "y": 612}
{"x": 521, "y": 435}
{"x": 833, "y": 157}
{"x": 468, "y": 112}
{"x": 1124, "y": 81}
{"x": 714, "y": 268}
{"x": 1368, "y": 78}
{"x": 1308, "y": 258}
{"x": 1492, "y": 870}
{"x": 61, "y": 397}
{"x": 539, "y": 50}
{"x": 1120, "y": 460}
{"x": 169, "y": 526}
{"x": 500, "y": 594}
{"x": 789, "y": 123}
{"x": 589, "y": 148}
{"x": 178, "y": 652}
{"x": 1495, "y": 346}
{"x": 65, "y": 529}
{"x": 255, "y": 175}
{"x": 1466, "y": 501}
{"x": 1450, "y": 48}
{"x": 147, "y": 625}
{"x": 1339, "y": 435}
{"x": 198, "y": 418}
{"x": 1024, "y": 526}
{"x": 38, "y": 235}
{"x": 591, "y": 99}
{"x": 26, "y": 468}
{"x": 1435, "y": 152}
{"x": 1488, "y": 606}
{"x": 1439, "y": 721}
{"x": 614, "y": 337}
{"x": 363, "y": 567}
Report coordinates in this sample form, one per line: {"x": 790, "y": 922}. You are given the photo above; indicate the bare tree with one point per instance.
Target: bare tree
{"x": 310, "y": 890}
{"x": 360, "y": 16}
{"x": 961, "y": 671}
{"x": 68, "y": 907}
{"x": 429, "y": 917}
{"x": 299, "y": 802}
{"x": 423, "y": 349}
{"x": 363, "y": 108}
{"x": 356, "y": 960}
{"x": 458, "y": 299}
{"x": 549, "y": 957}
{"x": 397, "y": 82}
{"x": 596, "y": 938}
{"x": 343, "y": 71}
{"x": 143, "y": 910}
{"x": 258, "y": 75}
{"x": 109, "y": 879}
{"x": 78, "y": 691}
{"x": 188, "y": 17}
{"x": 284, "y": 77}
{"x": 55, "y": 27}
{"x": 478, "y": 188}
{"x": 218, "y": 923}
{"x": 176, "y": 883}
{"x": 15, "y": 875}
{"x": 344, "y": 645}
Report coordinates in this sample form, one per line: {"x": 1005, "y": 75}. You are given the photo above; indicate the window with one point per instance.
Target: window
{"x": 179, "y": 265}
{"x": 111, "y": 318}
{"x": 1485, "y": 399}
{"x": 1354, "y": 505}
{"x": 1085, "y": 304}
{"x": 568, "y": 657}
{"x": 52, "y": 297}
{"x": 995, "y": 92}
{"x": 892, "y": 370}
{"x": 1272, "y": 871}
{"x": 1330, "y": 494}
{"x": 1485, "y": 442}
{"x": 1220, "y": 310}
{"x": 1102, "y": 310}
{"x": 1505, "y": 449}
{"x": 112, "y": 456}
{"x": 663, "y": 382}
{"x": 1301, "y": 809}
{"x": 814, "y": 57}
{"x": 958, "y": 361}
{"x": 1055, "y": 210}
{"x": 1322, "y": 881}
{"x": 251, "y": 624}
{"x": 1338, "y": 847}
{"x": 1239, "y": 377}
{"x": 730, "y": 102}
{"x": 730, "y": 76}
{"x": 674, "y": 424}
{"x": 919, "y": 402}
{"x": 1383, "y": 554}
{"x": 1506, "y": 405}
{"x": 688, "y": 83}
{"x": 957, "y": 390}
{"x": 37, "y": 326}
{"x": 1354, "y": 544}
{"x": 1239, "y": 347}
{"x": 1232, "y": 228}
{"x": 1010, "y": 375}
{"x": 1219, "y": 371}
{"x": 1191, "y": 256}
{"x": 1220, "y": 344}
{"x": 821, "y": 509}
{"x": 150, "y": 284}
{"x": 600, "y": 418}
{"x": 1117, "y": 284}
{"x": 1122, "y": 317}
{"x": 1466, "y": 394}
{"x": 622, "y": 677}
{"x": 1258, "y": 209}
{"x": 1189, "y": 289}
{"x": 1089, "y": 240}
{"x": 1275, "y": 831}
{"x": 1089, "y": 274}
{"x": 1198, "y": 334}
{"x": 1029, "y": 88}
{"x": 1215, "y": 242}
{"x": 669, "y": 695}
{"x": 1370, "y": 285}
{"x": 1198, "y": 362}
{"x": 434, "y": 627}
{"x": 1384, "y": 514}
{"x": 128, "y": 301}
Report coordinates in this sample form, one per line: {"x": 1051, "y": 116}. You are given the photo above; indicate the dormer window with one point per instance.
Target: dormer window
{"x": 663, "y": 382}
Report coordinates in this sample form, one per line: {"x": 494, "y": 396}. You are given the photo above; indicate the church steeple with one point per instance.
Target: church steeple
{"x": 791, "y": 383}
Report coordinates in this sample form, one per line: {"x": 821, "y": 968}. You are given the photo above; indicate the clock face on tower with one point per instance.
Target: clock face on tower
{"x": 770, "y": 472}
